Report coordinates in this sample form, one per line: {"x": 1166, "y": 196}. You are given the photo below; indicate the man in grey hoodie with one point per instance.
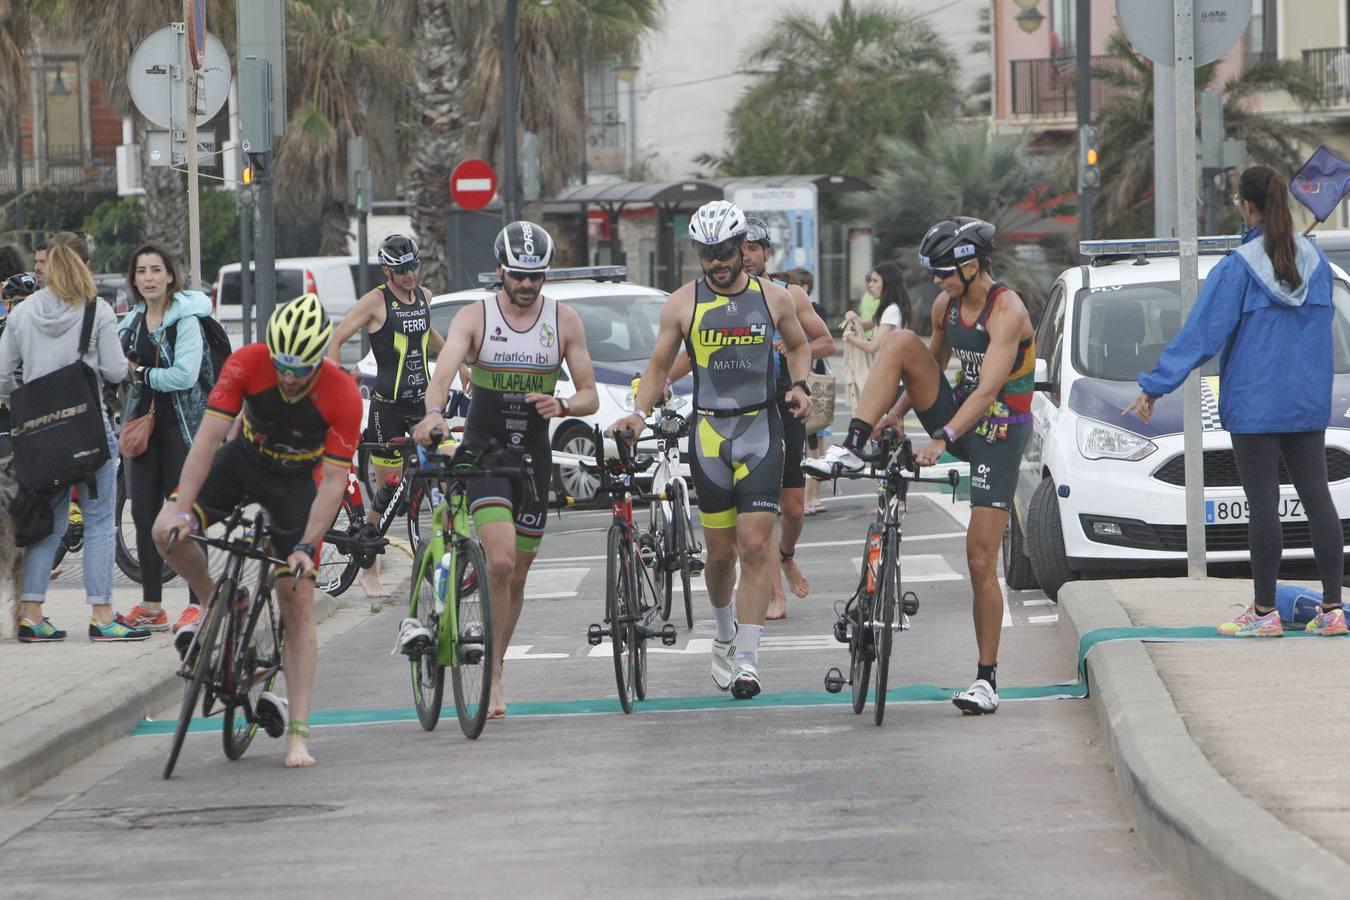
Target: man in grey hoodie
{"x": 41, "y": 336}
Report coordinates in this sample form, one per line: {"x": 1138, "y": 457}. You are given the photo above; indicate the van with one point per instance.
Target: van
{"x": 332, "y": 278}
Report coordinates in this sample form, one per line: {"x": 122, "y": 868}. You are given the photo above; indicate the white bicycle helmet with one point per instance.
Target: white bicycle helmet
{"x": 717, "y": 222}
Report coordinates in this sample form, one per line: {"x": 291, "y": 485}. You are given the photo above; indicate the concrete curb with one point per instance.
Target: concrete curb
{"x": 1217, "y": 842}
{"x": 48, "y": 740}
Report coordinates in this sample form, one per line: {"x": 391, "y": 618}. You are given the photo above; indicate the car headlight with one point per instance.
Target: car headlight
{"x": 1097, "y": 440}
{"x": 622, "y": 395}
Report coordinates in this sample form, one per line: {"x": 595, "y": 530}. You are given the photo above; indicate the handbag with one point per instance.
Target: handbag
{"x": 822, "y": 402}
{"x": 58, "y": 432}
{"x": 136, "y": 432}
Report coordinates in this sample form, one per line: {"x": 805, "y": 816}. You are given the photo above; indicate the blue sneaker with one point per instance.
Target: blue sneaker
{"x": 116, "y": 631}
{"x": 43, "y": 632}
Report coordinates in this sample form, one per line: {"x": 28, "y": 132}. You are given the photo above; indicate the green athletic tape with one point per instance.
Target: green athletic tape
{"x": 910, "y": 693}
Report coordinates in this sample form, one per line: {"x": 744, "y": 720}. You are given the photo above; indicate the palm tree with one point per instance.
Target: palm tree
{"x": 832, "y": 90}
{"x": 339, "y": 58}
{"x": 16, "y": 36}
{"x": 963, "y": 170}
{"x": 1124, "y": 205}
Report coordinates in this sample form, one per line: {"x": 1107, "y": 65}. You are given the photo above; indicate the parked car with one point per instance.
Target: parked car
{"x": 621, "y": 321}
{"x": 112, "y": 288}
{"x": 1335, "y": 243}
{"x": 1099, "y": 491}
{"x": 332, "y": 278}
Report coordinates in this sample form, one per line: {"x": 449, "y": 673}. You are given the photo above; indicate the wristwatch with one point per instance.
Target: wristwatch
{"x": 308, "y": 549}
{"x": 944, "y": 434}
{"x": 801, "y": 383}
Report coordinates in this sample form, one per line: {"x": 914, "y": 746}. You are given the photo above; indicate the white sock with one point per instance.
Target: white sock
{"x": 726, "y": 622}
{"x": 747, "y": 643}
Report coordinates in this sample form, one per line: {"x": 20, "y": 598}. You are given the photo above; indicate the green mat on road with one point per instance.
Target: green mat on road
{"x": 910, "y": 693}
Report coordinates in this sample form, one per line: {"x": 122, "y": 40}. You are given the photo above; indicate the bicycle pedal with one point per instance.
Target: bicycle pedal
{"x": 695, "y": 565}
{"x": 834, "y": 681}
{"x": 668, "y": 635}
{"x": 595, "y": 635}
{"x": 909, "y": 603}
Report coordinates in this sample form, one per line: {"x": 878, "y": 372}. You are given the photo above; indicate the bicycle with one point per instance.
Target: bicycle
{"x": 868, "y": 623}
{"x": 669, "y": 544}
{"x": 236, "y": 653}
{"x": 631, "y": 600}
{"x": 450, "y": 595}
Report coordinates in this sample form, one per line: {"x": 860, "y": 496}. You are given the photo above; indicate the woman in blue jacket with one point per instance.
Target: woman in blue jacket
{"x": 1264, "y": 308}
{"x": 163, "y": 340}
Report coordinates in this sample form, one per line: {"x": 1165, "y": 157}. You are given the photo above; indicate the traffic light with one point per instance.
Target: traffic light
{"x": 1089, "y": 176}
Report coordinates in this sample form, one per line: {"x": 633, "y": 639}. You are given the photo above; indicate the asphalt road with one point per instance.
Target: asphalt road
{"x": 790, "y": 795}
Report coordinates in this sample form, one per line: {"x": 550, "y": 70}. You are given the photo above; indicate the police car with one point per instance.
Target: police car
{"x": 621, "y": 321}
{"x": 1102, "y": 492}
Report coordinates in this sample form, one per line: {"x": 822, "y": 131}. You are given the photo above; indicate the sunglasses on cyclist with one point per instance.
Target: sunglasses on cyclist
{"x": 406, "y": 267}
{"x": 525, "y": 274}
{"x": 719, "y": 252}
{"x": 295, "y": 370}
{"x": 943, "y": 272}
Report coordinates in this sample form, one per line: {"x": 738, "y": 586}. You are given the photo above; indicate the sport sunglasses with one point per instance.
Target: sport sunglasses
{"x": 295, "y": 370}
{"x": 719, "y": 252}
{"x": 525, "y": 274}
{"x": 943, "y": 271}
{"x": 406, "y": 267}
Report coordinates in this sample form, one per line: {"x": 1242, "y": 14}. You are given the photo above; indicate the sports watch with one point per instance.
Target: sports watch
{"x": 801, "y": 383}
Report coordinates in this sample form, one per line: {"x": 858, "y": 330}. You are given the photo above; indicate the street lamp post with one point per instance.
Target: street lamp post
{"x": 627, "y": 73}
{"x": 510, "y": 113}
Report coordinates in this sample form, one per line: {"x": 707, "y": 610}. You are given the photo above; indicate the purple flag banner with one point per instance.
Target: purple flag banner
{"x": 1322, "y": 183}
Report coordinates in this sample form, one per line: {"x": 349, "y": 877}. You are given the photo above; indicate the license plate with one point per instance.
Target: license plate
{"x": 1237, "y": 511}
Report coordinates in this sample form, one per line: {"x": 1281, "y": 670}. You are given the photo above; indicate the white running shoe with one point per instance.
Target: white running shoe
{"x": 977, "y": 700}
{"x": 746, "y": 685}
{"x": 837, "y": 458}
{"x": 723, "y": 662}
{"x": 272, "y": 713}
{"x": 413, "y": 638}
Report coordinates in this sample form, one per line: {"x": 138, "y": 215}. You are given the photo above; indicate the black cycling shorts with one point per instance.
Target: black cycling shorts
{"x": 388, "y": 420}
{"x": 737, "y": 465}
{"x": 993, "y": 466}
{"x": 794, "y": 447}
{"x": 506, "y": 499}
{"x": 236, "y": 477}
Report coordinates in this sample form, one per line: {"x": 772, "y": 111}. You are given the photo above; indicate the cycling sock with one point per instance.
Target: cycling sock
{"x": 725, "y": 618}
{"x": 986, "y": 673}
{"x": 1330, "y": 608}
{"x": 747, "y": 643}
{"x": 858, "y": 433}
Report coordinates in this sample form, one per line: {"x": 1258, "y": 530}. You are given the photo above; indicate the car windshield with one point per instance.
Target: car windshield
{"x": 290, "y": 284}
{"x": 618, "y": 328}
{"x": 1122, "y": 331}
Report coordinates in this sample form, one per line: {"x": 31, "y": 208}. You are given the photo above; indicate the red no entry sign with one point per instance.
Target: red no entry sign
{"x": 473, "y": 184}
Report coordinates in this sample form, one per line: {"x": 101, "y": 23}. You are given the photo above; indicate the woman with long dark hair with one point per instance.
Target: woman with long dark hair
{"x": 164, "y": 341}
{"x": 887, "y": 283}
{"x": 1266, "y": 309}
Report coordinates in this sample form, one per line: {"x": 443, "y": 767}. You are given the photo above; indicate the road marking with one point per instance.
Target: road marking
{"x": 1043, "y": 620}
{"x": 1044, "y": 601}
{"x": 944, "y": 536}
{"x": 959, "y": 511}
{"x": 522, "y": 651}
{"x": 923, "y": 567}
{"x": 554, "y": 584}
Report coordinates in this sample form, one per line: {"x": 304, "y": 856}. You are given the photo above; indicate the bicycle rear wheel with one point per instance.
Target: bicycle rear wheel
{"x": 618, "y": 590}
{"x": 663, "y": 546}
{"x": 682, "y": 530}
{"x": 859, "y": 650}
{"x": 338, "y": 568}
{"x": 256, "y": 665}
{"x": 887, "y": 593}
{"x": 201, "y": 668}
{"x": 471, "y": 670}
{"x": 428, "y": 678}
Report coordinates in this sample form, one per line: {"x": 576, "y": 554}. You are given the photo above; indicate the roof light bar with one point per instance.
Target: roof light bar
{"x": 1143, "y": 248}
{"x": 580, "y": 273}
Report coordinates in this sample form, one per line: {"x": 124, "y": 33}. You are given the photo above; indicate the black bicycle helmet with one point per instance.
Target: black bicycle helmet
{"x": 16, "y": 287}
{"x": 398, "y": 250}
{"x": 757, "y": 231}
{"x": 954, "y": 241}
{"x": 524, "y": 246}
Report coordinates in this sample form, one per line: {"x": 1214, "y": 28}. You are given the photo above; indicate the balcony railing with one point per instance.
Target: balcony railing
{"x": 1330, "y": 68}
{"x": 1048, "y": 88}
{"x": 66, "y": 167}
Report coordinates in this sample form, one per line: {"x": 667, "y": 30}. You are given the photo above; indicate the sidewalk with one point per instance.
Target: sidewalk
{"x": 66, "y": 700}
{"x": 1227, "y": 751}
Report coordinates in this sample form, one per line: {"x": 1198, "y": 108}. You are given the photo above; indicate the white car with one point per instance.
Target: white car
{"x": 621, "y": 321}
{"x": 1099, "y": 491}
{"x": 332, "y": 278}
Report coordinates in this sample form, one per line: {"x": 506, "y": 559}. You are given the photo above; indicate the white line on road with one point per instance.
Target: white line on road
{"x": 522, "y": 651}
{"x": 1043, "y": 620}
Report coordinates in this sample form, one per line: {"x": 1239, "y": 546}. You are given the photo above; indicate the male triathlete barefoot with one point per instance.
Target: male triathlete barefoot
{"x": 515, "y": 342}
{"x": 299, "y": 411}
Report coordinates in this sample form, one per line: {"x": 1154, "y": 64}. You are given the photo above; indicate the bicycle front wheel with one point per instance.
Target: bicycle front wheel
{"x": 682, "y": 532}
{"x": 618, "y": 601}
{"x": 887, "y": 595}
{"x": 859, "y": 650}
{"x": 200, "y": 660}
{"x": 257, "y": 662}
{"x": 428, "y": 678}
{"x": 337, "y": 569}
{"x": 472, "y": 665}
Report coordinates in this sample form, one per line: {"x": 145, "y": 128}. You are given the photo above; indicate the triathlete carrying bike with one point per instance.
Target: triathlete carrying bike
{"x": 727, "y": 321}
{"x": 299, "y": 412}
{"x": 985, "y": 419}
{"x": 396, "y": 316}
{"x": 515, "y": 343}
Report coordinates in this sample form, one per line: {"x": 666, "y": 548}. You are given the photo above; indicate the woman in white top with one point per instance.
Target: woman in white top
{"x": 887, "y": 282}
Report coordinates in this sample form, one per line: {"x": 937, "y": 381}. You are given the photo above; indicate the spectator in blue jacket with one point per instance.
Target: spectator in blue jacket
{"x": 1263, "y": 308}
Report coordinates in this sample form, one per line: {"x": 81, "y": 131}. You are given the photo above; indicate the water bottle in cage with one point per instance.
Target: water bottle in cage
{"x": 441, "y": 582}
{"x": 873, "y": 556}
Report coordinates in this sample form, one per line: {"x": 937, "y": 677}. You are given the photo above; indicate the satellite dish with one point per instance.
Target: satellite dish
{"x": 1219, "y": 25}
{"x": 153, "y": 89}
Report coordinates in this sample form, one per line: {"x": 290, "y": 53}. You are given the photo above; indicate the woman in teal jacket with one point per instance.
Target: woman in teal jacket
{"x": 163, "y": 340}
{"x": 1264, "y": 308}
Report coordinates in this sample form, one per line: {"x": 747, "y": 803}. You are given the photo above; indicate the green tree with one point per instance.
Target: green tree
{"x": 1124, "y": 205}
{"x": 830, "y": 91}
{"x": 116, "y": 229}
{"x": 963, "y": 170}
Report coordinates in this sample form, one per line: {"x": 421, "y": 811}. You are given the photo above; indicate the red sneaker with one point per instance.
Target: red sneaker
{"x": 190, "y": 616}
{"x": 145, "y": 620}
